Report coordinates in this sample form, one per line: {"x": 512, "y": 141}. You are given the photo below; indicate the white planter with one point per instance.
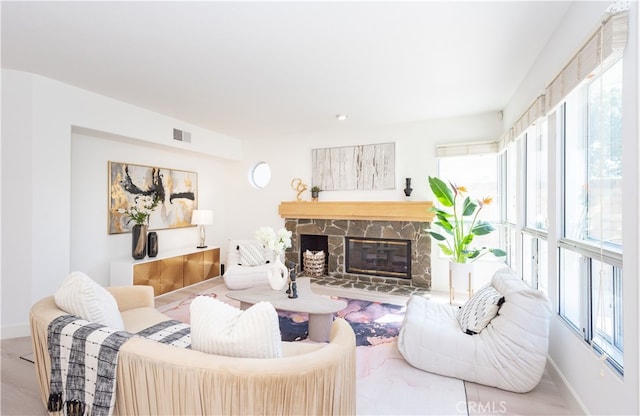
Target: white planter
{"x": 460, "y": 280}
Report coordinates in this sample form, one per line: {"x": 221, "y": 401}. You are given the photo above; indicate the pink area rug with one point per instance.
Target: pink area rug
{"x": 373, "y": 322}
{"x": 385, "y": 383}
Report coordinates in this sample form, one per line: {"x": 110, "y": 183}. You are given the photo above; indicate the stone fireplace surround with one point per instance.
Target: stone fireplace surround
{"x": 388, "y": 220}
{"x": 336, "y": 230}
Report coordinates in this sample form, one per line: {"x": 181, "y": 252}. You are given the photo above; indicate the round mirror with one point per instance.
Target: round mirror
{"x": 260, "y": 175}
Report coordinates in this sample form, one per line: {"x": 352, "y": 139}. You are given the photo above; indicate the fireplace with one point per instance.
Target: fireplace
{"x": 378, "y": 257}
{"x": 337, "y": 221}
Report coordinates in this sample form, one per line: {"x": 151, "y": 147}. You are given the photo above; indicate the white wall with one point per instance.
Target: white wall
{"x": 599, "y": 389}
{"x": 92, "y": 248}
{"x": 290, "y": 157}
{"x": 38, "y": 115}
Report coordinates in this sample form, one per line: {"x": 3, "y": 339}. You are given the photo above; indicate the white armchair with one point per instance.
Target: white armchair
{"x": 510, "y": 353}
{"x": 248, "y": 264}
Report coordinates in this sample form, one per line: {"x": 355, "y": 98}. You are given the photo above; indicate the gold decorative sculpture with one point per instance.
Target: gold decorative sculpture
{"x": 298, "y": 186}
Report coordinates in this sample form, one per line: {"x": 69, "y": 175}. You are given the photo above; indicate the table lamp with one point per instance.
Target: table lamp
{"x": 202, "y": 217}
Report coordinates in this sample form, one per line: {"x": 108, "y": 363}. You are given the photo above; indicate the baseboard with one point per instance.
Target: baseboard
{"x": 15, "y": 331}
{"x": 568, "y": 393}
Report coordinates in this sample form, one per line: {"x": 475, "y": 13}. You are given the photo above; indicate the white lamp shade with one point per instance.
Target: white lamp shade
{"x": 201, "y": 216}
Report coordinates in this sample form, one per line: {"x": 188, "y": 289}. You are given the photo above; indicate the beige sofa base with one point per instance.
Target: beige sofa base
{"x": 154, "y": 378}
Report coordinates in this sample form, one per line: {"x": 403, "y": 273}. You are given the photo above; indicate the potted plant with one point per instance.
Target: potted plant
{"x": 314, "y": 193}
{"x": 459, "y": 222}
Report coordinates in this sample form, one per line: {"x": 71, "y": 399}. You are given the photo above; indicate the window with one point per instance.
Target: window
{"x": 479, "y": 174}
{"x": 591, "y": 246}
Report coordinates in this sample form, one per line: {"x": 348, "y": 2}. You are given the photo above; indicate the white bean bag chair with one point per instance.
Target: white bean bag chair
{"x": 510, "y": 353}
{"x": 248, "y": 264}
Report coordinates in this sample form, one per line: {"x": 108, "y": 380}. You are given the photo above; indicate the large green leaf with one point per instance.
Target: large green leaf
{"x": 446, "y": 225}
{"x": 469, "y": 207}
{"x": 441, "y": 191}
{"x": 436, "y": 235}
{"x": 482, "y": 228}
{"x": 467, "y": 239}
{"x": 441, "y": 213}
{"x": 445, "y": 249}
{"x": 498, "y": 252}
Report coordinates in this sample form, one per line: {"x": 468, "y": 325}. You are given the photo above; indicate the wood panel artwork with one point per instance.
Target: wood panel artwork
{"x": 364, "y": 167}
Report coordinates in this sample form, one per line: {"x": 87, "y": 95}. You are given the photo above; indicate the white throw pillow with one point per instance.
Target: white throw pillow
{"x": 219, "y": 328}
{"x": 81, "y": 296}
{"x": 251, "y": 255}
{"x": 480, "y": 309}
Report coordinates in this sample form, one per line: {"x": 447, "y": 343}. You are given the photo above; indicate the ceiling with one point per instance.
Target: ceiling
{"x": 254, "y": 70}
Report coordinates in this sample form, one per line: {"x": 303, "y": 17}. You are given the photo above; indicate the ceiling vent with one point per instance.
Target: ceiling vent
{"x": 181, "y": 136}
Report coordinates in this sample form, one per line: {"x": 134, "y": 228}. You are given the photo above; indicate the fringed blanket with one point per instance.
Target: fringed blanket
{"x": 84, "y": 357}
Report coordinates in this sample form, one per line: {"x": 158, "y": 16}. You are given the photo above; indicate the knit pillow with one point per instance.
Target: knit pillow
{"x": 251, "y": 255}
{"x": 219, "y": 328}
{"x": 81, "y": 296}
{"x": 479, "y": 310}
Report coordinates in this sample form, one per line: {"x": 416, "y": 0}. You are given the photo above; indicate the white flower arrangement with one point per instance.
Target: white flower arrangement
{"x": 142, "y": 207}
{"x": 276, "y": 241}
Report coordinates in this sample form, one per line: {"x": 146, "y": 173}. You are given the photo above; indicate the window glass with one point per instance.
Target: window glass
{"x": 479, "y": 174}
{"x": 536, "y": 168}
{"x": 593, "y": 160}
{"x": 604, "y": 157}
{"x": 260, "y": 175}
{"x": 607, "y": 319}
{"x": 528, "y": 260}
{"x": 511, "y": 180}
{"x": 571, "y": 270}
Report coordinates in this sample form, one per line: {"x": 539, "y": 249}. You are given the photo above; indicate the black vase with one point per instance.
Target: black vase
{"x": 139, "y": 241}
{"x": 152, "y": 244}
{"x": 408, "y": 189}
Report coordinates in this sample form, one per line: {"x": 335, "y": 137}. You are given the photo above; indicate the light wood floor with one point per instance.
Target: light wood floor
{"x": 20, "y": 394}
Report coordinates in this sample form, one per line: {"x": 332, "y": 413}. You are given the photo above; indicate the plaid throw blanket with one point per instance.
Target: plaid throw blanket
{"x": 84, "y": 357}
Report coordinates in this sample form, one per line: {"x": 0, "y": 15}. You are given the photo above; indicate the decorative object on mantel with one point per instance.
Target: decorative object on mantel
{"x": 364, "y": 167}
{"x": 315, "y": 191}
{"x": 298, "y": 186}
{"x": 175, "y": 191}
{"x": 139, "y": 213}
{"x": 408, "y": 189}
{"x": 202, "y": 217}
{"x": 459, "y": 233}
{"x": 152, "y": 244}
{"x": 278, "y": 242}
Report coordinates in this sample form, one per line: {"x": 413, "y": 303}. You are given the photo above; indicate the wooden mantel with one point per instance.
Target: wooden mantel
{"x": 358, "y": 210}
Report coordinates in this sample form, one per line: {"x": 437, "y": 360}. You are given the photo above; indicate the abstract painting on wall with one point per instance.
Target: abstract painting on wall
{"x": 177, "y": 191}
{"x": 364, "y": 167}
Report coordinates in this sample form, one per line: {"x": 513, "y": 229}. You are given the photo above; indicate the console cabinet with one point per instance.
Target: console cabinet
{"x": 169, "y": 271}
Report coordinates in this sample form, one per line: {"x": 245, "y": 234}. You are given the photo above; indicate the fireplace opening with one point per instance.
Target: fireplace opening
{"x": 314, "y": 242}
{"x": 378, "y": 257}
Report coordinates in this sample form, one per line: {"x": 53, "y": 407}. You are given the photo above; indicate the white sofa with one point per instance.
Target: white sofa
{"x": 237, "y": 276}
{"x": 510, "y": 353}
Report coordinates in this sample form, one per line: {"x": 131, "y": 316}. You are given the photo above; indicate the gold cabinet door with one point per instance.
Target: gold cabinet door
{"x": 148, "y": 274}
{"x": 171, "y": 274}
{"x": 193, "y": 271}
{"x": 211, "y": 263}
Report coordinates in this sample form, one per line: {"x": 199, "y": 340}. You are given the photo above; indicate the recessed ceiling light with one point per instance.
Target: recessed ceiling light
{"x": 342, "y": 117}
